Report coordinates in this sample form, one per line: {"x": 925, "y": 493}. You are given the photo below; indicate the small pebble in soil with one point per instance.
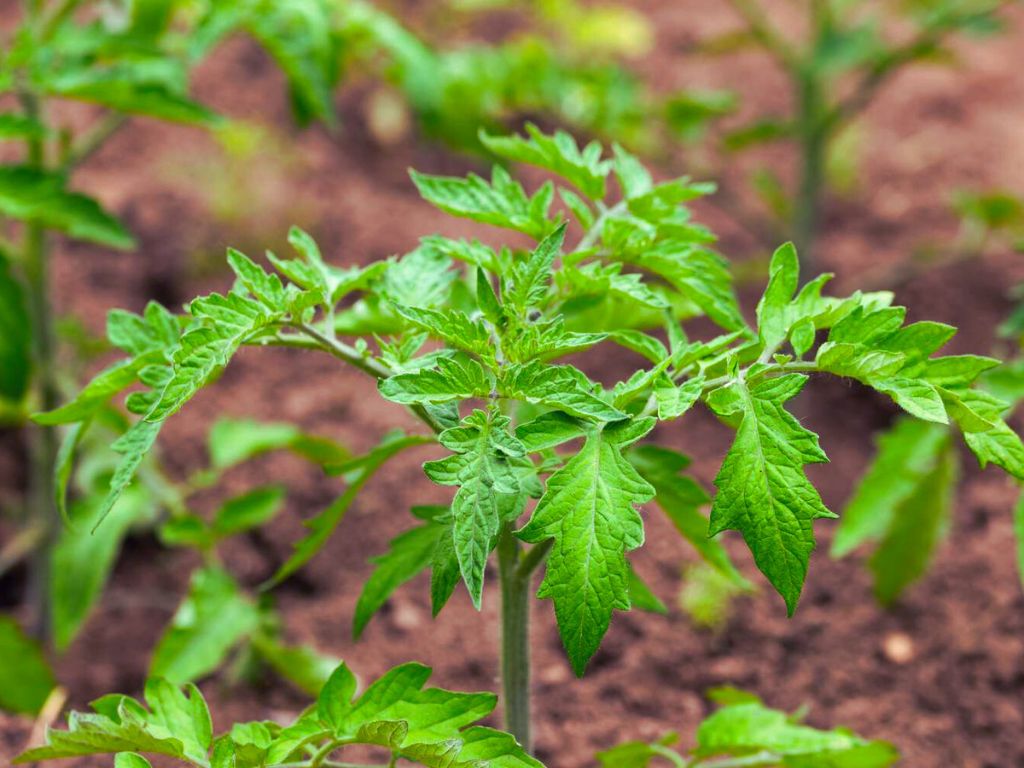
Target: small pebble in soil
{"x": 898, "y": 647}
{"x": 554, "y": 674}
{"x": 407, "y": 617}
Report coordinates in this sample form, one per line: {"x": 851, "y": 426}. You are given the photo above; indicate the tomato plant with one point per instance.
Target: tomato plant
{"x": 518, "y": 434}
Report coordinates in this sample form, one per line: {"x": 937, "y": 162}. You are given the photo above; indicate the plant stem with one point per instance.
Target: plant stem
{"x": 813, "y": 140}
{"x": 515, "y": 638}
{"x": 670, "y": 755}
{"x": 43, "y": 450}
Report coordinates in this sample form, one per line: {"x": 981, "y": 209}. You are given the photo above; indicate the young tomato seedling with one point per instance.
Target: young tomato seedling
{"x": 511, "y": 424}
{"x": 849, "y": 51}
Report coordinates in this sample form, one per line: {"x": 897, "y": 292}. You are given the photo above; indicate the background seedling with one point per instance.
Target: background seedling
{"x": 836, "y": 65}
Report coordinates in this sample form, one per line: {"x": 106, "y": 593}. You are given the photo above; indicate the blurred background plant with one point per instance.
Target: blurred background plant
{"x": 847, "y": 52}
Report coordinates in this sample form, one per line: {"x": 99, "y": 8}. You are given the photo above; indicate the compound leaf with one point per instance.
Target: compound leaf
{"x": 502, "y": 203}
{"x": 762, "y": 489}
{"x": 559, "y": 154}
{"x": 495, "y": 478}
{"x": 589, "y": 509}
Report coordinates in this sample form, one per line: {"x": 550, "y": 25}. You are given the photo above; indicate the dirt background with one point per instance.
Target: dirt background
{"x": 941, "y": 674}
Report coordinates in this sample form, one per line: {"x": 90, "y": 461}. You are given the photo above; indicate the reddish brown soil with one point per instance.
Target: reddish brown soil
{"x": 957, "y": 697}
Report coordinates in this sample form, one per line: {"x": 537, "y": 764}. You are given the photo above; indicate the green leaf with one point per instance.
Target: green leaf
{"x": 641, "y": 597}
{"x": 453, "y": 327}
{"x": 133, "y": 446}
{"x": 502, "y": 203}
{"x": 257, "y": 281}
{"x": 673, "y": 401}
{"x": 432, "y": 715}
{"x": 907, "y": 454}
{"x": 632, "y": 754}
{"x": 601, "y": 279}
{"x": 124, "y": 87}
{"x": 548, "y": 430}
{"x": 15, "y": 126}
{"x": 762, "y": 489}
{"x": 250, "y": 510}
{"x": 530, "y": 279}
{"x": 498, "y": 749}
{"x": 335, "y": 700}
{"x": 918, "y": 527}
{"x": 407, "y": 555}
{"x": 749, "y": 727}
{"x": 155, "y": 330}
{"x": 223, "y": 324}
{"x": 298, "y": 35}
{"x": 212, "y": 620}
{"x": 322, "y": 525}
{"x": 495, "y": 478}
{"x": 64, "y": 465}
{"x": 130, "y": 760}
{"x": 98, "y": 392}
{"x": 589, "y": 510}
{"x": 185, "y": 716}
{"x": 25, "y": 678}
{"x": 300, "y": 665}
{"x": 459, "y": 377}
{"x": 559, "y": 154}
{"x": 84, "y": 556}
{"x": 90, "y": 734}
{"x": 699, "y": 275}
{"x": 41, "y": 198}
{"x": 445, "y": 573}
{"x": 681, "y": 498}
{"x": 234, "y": 441}
{"x": 557, "y": 386}
{"x": 997, "y": 443}
{"x": 421, "y": 278}
{"x": 486, "y": 299}
{"x": 15, "y": 335}
{"x": 430, "y": 726}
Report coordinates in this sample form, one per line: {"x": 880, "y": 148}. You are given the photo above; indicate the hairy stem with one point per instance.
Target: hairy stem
{"x": 515, "y": 638}
{"x": 368, "y": 365}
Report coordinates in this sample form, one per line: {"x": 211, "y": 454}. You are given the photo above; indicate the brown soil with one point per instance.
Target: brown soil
{"x": 953, "y": 696}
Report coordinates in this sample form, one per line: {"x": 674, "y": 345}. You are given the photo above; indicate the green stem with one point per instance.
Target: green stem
{"x": 758, "y": 760}
{"x": 592, "y": 235}
{"x": 366, "y": 364}
{"x": 671, "y": 755}
{"x": 43, "y": 450}
{"x": 813, "y": 139}
{"x": 515, "y": 638}
{"x": 59, "y": 16}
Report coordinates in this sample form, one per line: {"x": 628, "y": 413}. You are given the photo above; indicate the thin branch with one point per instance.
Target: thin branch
{"x": 353, "y": 357}
{"x": 765, "y": 33}
{"x": 50, "y": 25}
{"x": 93, "y": 139}
{"x": 533, "y": 558}
{"x": 591, "y": 236}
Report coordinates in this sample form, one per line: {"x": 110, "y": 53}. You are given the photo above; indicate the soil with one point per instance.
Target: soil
{"x": 941, "y": 674}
